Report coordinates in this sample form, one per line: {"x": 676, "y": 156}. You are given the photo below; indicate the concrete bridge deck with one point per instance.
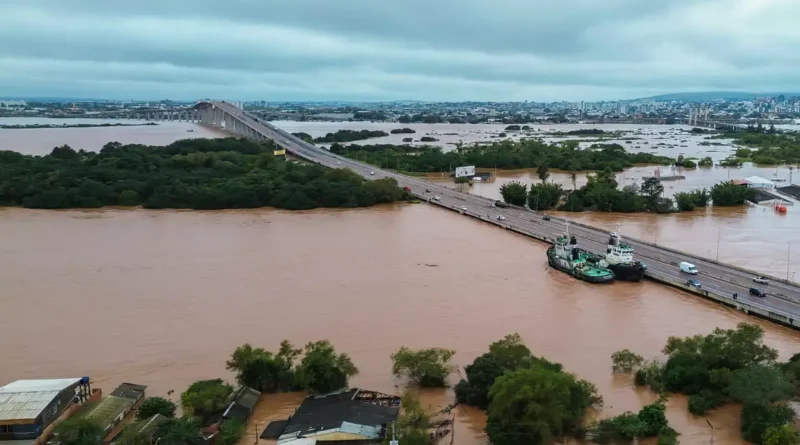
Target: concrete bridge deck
{"x": 720, "y": 281}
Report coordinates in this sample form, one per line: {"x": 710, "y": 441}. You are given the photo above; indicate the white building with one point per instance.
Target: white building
{"x": 757, "y": 182}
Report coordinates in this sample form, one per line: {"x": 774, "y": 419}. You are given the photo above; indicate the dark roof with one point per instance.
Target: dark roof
{"x": 244, "y": 400}
{"x": 328, "y": 411}
{"x": 274, "y": 429}
{"x": 129, "y": 391}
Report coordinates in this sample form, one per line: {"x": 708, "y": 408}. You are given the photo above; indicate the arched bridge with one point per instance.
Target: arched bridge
{"x": 720, "y": 281}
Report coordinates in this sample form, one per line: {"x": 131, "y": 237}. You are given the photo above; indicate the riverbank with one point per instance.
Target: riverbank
{"x": 196, "y": 174}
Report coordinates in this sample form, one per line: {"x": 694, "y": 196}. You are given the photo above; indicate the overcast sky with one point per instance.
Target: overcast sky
{"x": 500, "y": 50}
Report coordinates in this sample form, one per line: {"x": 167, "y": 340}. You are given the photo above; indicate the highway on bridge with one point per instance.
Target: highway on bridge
{"x": 725, "y": 280}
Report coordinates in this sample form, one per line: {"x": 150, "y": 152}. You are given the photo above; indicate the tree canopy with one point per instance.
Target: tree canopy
{"x": 726, "y": 365}
{"x": 204, "y": 398}
{"x": 514, "y": 192}
{"x": 262, "y": 370}
{"x": 529, "y": 153}
{"x": 426, "y": 367}
{"x": 322, "y": 370}
{"x": 156, "y": 405}
{"x": 504, "y": 355}
{"x": 80, "y": 431}
{"x": 536, "y": 404}
{"x": 192, "y": 173}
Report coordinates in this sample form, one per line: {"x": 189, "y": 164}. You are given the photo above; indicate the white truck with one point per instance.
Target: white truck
{"x": 688, "y": 268}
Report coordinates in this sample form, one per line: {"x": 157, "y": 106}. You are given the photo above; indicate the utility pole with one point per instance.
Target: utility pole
{"x": 394, "y": 437}
{"x": 788, "y": 259}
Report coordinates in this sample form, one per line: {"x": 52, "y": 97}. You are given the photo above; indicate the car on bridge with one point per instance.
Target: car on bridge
{"x": 436, "y": 198}
{"x": 464, "y": 208}
{"x": 372, "y": 173}
{"x": 761, "y": 280}
{"x": 694, "y": 283}
{"x": 501, "y": 218}
{"x": 757, "y": 292}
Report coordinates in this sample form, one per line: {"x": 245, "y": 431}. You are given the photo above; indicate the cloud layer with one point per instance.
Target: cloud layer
{"x": 388, "y": 50}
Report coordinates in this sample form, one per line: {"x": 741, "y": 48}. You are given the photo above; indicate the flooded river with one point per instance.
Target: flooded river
{"x": 162, "y": 298}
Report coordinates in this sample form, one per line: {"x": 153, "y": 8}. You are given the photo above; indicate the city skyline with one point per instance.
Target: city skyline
{"x": 358, "y": 50}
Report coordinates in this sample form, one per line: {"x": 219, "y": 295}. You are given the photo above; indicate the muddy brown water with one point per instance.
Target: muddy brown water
{"x": 162, "y": 298}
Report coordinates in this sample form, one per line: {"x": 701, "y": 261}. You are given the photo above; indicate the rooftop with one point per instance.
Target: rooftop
{"x": 353, "y": 411}
{"x": 24, "y": 400}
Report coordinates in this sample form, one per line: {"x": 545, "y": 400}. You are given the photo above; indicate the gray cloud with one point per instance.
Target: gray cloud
{"x": 414, "y": 49}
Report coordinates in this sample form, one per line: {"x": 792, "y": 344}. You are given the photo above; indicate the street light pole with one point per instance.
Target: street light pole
{"x": 788, "y": 259}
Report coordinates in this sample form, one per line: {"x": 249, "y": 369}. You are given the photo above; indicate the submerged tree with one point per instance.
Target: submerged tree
{"x": 427, "y": 367}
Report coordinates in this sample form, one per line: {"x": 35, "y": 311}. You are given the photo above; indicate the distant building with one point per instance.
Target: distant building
{"x": 346, "y": 416}
{"x": 27, "y": 407}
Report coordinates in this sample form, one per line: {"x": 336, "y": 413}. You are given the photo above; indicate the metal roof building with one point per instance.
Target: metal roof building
{"x": 22, "y": 401}
{"x": 27, "y": 407}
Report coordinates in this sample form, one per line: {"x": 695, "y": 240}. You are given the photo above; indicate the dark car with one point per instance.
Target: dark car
{"x": 757, "y": 292}
{"x": 546, "y": 218}
{"x": 694, "y": 283}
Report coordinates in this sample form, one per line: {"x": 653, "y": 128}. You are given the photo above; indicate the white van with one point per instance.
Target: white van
{"x": 688, "y": 268}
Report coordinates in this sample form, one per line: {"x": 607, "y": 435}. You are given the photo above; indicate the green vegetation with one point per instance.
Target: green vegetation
{"x": 688, "y": 201}
{"x": 413, "y": 424}
{"x": 180, "y": 431}
{"x": 529, "y": 153}
{"x": 508, "y": 354}
{"x": 724, "y": 366}
{"x": 625, "y": 361}
{"x": 780, "y": 435}
{"x": 768, "y": 146}
{"x": 514, "y": 192}
{"x": 322, "y": 370}
{"x": 304, "y": 136}
{"x": 192, "y": 173}
{"x": 262, "y": 370}
{"x": 706, "y": 162}
{"x": 650, "y": 421}
{"x": 204, "y": 398}
{"x": 426, "y": 367}
{"x": 79, "y": 431}
{"x": 427, "y": 139}
{"x": 351, "y": 135}
{"x": 156, "y": 405}
{"x": 544, "y": 196}
{"x": 730, "y": 194}
{"x": 582, "y": 132}
{"x": 230, "y": 431}
{"x": 536, "y": 404}
{"x": 405, "y": 130}
{"x": 132, "y": 436}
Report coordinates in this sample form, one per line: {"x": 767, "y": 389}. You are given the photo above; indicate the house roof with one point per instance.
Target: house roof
{"x": 24, "y": 400}
{"x": 757, "y": 180}
{"x": 244, "y": 400}
{"x": 353, "y": 411}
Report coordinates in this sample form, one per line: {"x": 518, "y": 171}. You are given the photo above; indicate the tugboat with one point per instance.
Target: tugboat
{"x": 619, "y": 257}
{"x": 566, "y": 256}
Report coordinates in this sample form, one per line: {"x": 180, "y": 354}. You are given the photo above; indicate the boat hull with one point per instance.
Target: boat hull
{"x": 628, "y": 272}
{"x": 577, "y": 274}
